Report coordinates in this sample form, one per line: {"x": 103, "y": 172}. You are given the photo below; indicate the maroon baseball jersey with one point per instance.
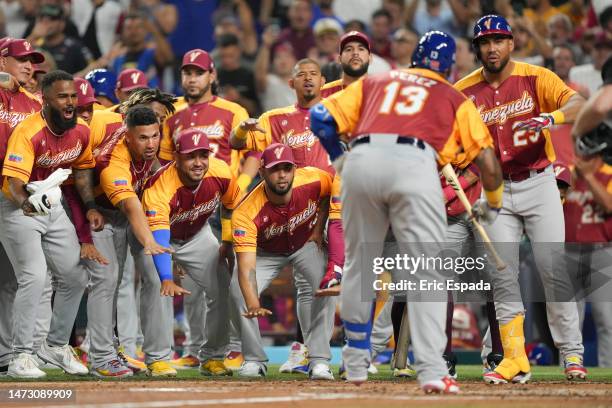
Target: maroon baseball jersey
{"x": 14, "y": 108}
{"x": 331, "y": 88}
{"x": 34, "y": 152}
{"x": 215, "y": 118}
{"x": 259, "y": 224}
{"x": 291, "y": 126}
{"x": 168, "y": 204}
{"x": 412, "y": 102}
{"x": 529, "y": 91}
{"x": 585, "y": 220}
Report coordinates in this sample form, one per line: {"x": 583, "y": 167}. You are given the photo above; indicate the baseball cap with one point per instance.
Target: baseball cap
{"x": 327, "y": 25}
{"x": 191, "y": 140}
{"x": 562, "y": 173}
{"x": 198, "y": 58}
{"x": 354, "y": 36}
{"x": 491, "y": 24}
{"x": 131, "y": 79}
{"x": 39, "y": 69}
{"x": 51, "y": 10}
{"x": 275, "y": 154}
{"x": 18, "y": 48}
{"x": 85, "y": 92}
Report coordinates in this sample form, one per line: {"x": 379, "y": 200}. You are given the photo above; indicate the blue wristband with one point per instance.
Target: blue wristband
{"x": 163, "y": 262}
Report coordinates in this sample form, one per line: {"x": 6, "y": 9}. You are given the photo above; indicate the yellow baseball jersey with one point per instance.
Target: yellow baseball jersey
{"x": 331, "y": 88}
{"x": 170, "y": 205}
{"x": 257, "y": 223}
{"x": 215, "y": 118}
{"x": 529, "y": 91}
{"x": 34, "y": 152}
{"x": 119, "y": 176}
{"x": 412, "y": 102}
{"x": 103, "y": 124}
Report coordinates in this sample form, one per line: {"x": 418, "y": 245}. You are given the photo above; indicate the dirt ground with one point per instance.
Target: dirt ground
{"x": 307, "y": 394}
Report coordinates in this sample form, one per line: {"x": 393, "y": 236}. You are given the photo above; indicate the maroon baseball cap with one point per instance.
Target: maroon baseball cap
{"x": 275, "y": 154}
{"x": 19, "y": 48}
{"x": 131, "y": 79}
{"x": 39, "y": 69}
{"x": 85, "y": 93}
{"x": 198, "y": 58}
{"x": 354, "y": 36}
{"x": 191, "y": 140}
{"x": 562, "y": 173}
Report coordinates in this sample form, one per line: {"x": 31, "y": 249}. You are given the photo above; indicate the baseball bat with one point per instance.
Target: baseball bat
{"x": 403, "y": 341}
{"x": 451, "y": 178}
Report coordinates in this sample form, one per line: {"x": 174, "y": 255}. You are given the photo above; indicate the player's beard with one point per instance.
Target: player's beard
{"x": 493, "y": 69}
{"x": 197, "y": 96}
{"x": 59, "y": 123}
{"x": 355, "y": 72}
{"x": 278, "y": 191}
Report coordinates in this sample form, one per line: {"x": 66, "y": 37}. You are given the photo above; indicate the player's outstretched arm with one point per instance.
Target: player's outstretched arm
{"x": 325, "y": 128}
{"x": 247, "y": 280}
{"x": 132, "y": 209}
{"x": 593, "y": 112}
{"x": 238, "y": 135}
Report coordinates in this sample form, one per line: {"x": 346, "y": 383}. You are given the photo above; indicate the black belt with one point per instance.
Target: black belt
{"x": 409, "y": 140}
{"x": 523, "y": 175}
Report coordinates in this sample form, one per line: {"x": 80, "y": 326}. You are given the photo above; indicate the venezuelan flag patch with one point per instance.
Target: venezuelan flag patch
{"x": 150, "y": 213}
{"x": 15, "y": 158}
{"x": 239, "y": 233}
{"x": 120, "y": 182}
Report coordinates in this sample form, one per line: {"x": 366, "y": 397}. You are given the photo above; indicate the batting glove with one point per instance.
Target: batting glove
{"x": 41, "y": 204}
{"x": 483, "y": 212}
{"x": 333, "y": 276}
{"x": 535, "y": 124}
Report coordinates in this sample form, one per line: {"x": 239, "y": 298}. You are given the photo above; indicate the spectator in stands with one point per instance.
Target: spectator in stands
{"x": 324, "y": 9}
{"x": 403, "y": 43}
{"x": 450, "y": 16}
{"x": 564, "y": 60}
{"x": 97, "y": 22}
{"x": 589, "y": 75}
{"x": 355, "y": 25}
{"x": 242, "y": 27}
{"x": 539, "y": 13}
{"x": 529, "y": 45}
{"x": 299, "y": 33}
{"x": 327, "y": 35}
{"x": 561, "y": 32}
{"x": 465, "y": 59}
{"x": 162, "y": 14}
{"x": 395, "y": 8}
{"x": 17, "y": 16}
{"x": 70, "y": 29}
{"x": 140, "y": 54}
{"x": 236, "y": 81}
{"x": 48, "y": 33}
{"x": 355, "y": 9}
{"x": 380, "y": 30}
{"x": 273, "y": 87}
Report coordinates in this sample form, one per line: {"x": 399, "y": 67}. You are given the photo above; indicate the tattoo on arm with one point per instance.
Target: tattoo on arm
{"x": 83, "y": 181}
{"x": 253, "y": 281}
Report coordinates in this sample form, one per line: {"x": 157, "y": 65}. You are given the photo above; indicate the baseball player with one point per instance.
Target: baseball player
{"x": 588, "y": 210}
{"x": 291, "y": 126}
{"x": 355, "y": 59}
{"x": 519, "y": 103}
{"x": 103, "y": 82}
{"x": 390, "y": 120}
{"x": 124, "y": 163}
{"x": 44, "y": 142}
{"x": 271, "y": 229}
{"x": 178, "y": 201}
{"x": 128, "y": 81}
{"x": 16, "y": 62}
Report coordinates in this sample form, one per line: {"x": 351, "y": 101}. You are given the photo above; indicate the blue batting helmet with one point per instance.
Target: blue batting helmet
{"x": 491, "y": 24}
{"x": 103, "y": 83}
{"x": 435, "y": 51}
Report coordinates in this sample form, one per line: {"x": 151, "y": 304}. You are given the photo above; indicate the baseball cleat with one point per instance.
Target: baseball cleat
{"x": 160, "y": 369}
{"x": 522, "y": 378}
{"x": 446, "y": 385}
{"x": 253, "y": 369}
{"x": 63, "y": 357}
{"x": 494, "y": 378}
{"x": 297, "y": 362}
{"x": 407, "y": 372}
{"x": 24, "y": 366}
{"x": 135, "y": 365}
{"x": 214, "y": 368}
{"x": 451, "y": 363}
{"x": 574, "y": 369}
{"x": 233, "y": 360}
{"x": 112, "y": 369}
{"x": 185, "y": 362}
{"x": 320, "y": 371}
{"x": 492, "y": 361}
{"x": 372, "y": 369}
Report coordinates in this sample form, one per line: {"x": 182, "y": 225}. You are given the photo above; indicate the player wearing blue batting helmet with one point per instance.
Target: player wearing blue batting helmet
{"x": 492, "y": 24}
{"x": 435, "y": 51}
{"x": 493, "y": 39}
{"x": 103, "y": 83}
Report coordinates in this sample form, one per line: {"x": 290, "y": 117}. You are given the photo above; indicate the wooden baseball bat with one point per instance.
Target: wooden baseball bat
{"x": 403, "y": 341}
{"x": 451, "y": 178}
